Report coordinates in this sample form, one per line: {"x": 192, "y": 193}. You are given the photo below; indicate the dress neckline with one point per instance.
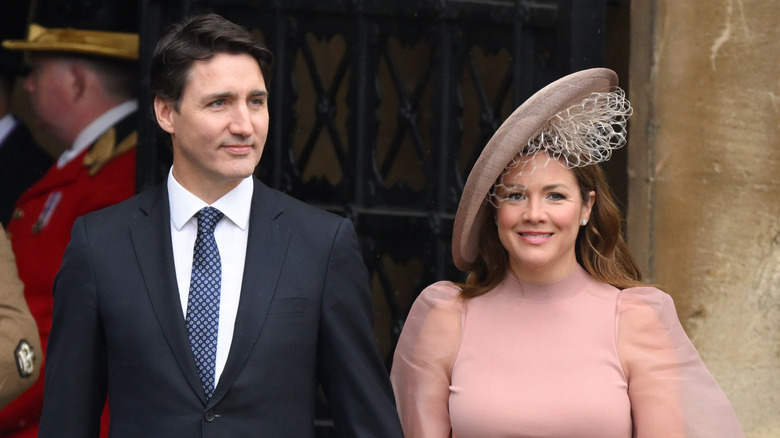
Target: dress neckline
{"x": 541, "y": 293}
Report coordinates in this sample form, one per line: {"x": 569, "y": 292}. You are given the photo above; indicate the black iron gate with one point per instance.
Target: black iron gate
{"x": 379, "y": 108}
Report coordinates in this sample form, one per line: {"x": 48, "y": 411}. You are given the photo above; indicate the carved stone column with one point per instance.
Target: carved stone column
{"x": 704, "y": 184}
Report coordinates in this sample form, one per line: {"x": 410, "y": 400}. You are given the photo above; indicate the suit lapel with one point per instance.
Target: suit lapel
{"x": 266, "y": 247}
{"x": 151, "y": 236}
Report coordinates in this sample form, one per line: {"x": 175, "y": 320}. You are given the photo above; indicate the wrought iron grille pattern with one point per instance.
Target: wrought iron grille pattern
{"x": 380, "y": 108}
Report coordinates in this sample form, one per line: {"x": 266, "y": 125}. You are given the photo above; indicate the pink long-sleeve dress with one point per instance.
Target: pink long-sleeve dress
{"x": 576, "y": 358}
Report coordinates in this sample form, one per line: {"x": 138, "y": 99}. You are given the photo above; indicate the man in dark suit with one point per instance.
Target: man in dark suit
{"x": 212, "y": 305}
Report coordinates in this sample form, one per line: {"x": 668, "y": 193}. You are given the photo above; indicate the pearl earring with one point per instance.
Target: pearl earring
{"x": 584, "y": 222}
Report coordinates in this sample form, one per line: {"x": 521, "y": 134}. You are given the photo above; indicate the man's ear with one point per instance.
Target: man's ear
{"x": 77, "y": 79}
{"x": 163, "y": 110}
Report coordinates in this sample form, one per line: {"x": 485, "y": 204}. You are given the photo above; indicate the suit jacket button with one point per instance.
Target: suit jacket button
{"x": 209, "y": 416}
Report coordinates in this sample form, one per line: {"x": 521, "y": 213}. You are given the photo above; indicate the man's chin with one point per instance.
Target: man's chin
{"x": 242, "y": 173}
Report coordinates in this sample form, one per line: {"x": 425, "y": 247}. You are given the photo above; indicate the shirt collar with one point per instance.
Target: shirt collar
{"x": 7, "y": 124}
{"x": 98, "y": 126}
{"x": 235, "y": 204}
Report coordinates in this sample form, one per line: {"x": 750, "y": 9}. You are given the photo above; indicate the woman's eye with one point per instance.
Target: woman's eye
{"x": 515, "y": 197}
{"x": 557, "y": 196}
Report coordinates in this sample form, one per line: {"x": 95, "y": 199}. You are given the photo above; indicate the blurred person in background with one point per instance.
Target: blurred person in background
{"x": 22, "y": 161}
{"x": 20, "y": 348}
{"x": 82, "y": 87}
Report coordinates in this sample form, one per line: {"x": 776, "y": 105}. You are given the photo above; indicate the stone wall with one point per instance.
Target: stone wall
{"x": 704, "y": 184}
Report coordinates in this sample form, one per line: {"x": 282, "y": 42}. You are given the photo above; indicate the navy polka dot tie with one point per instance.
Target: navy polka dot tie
{"x": 203, "y": 302}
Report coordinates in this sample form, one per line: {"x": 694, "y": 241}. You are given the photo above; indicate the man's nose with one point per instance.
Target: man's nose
{"x": 241, "y": 122}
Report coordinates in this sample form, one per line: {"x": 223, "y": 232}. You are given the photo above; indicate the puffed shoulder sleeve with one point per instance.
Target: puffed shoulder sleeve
{"x": 671, "y": 391}
{"x": 422, "y": 364}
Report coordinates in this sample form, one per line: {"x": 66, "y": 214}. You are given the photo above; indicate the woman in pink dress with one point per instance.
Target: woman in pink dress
{"x": 553, "y": 334}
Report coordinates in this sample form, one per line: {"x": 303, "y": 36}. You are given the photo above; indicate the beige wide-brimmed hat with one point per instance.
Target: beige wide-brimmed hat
{"x": 511, "y": 137}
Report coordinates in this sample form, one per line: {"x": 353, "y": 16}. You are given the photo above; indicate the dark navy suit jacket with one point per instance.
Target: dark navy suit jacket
{"x": 304, "y": 317}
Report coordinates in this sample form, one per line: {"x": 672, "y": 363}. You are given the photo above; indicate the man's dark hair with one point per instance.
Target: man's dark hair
{"x": 199, "y": 39}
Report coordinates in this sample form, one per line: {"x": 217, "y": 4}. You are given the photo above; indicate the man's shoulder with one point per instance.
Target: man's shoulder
{"x": 295, "y": 209}
{"x": 125, "y": 211}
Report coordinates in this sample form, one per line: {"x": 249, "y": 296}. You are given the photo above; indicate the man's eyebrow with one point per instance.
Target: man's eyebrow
{"x": 222, "y": 95}
{"x": 233, "y": 95}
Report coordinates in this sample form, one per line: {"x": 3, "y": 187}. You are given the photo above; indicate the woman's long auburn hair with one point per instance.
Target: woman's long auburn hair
{"x": 600, "y": 247}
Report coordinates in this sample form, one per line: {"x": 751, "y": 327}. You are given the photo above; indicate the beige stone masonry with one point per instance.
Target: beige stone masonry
{"x": 704, "y": 184}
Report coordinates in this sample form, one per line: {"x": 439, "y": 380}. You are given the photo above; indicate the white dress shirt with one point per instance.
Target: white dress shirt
{"x": 7, "y": 124}
{"x": 231, "y": 235}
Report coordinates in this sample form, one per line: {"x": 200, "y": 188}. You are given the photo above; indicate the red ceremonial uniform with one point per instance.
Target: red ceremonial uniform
{"x": 39, "y": 232}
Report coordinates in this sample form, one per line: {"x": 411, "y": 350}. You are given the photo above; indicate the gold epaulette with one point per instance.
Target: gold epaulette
{"x": 106, "y": 148}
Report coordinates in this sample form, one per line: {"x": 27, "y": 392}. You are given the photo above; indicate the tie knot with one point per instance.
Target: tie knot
{"x": 207, "y": 219}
